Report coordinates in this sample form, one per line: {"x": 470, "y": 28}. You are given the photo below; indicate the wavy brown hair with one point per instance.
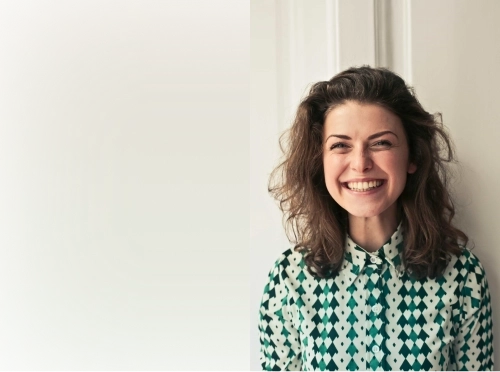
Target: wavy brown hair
{"x": 317, "y": 225}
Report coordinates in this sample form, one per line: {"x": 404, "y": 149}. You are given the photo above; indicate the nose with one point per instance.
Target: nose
{"x": 361, "y": 161}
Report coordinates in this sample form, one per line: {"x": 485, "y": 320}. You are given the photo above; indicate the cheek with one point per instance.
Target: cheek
{"x": 331, "y": 174}
{"x": 396, "y": 163}
{"x": 399, "y": 170}
{"x": 331, "y": 169}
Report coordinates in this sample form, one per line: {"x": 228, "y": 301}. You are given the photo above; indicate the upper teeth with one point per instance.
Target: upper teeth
{"x": 363, "y": 186}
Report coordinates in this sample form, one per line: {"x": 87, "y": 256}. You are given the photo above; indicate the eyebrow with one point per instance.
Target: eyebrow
{"x": 375, "y": 135}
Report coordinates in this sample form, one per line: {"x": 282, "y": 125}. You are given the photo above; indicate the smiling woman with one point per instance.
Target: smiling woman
{"x": 379, "y": 278}
{"x": 365, "y": 162}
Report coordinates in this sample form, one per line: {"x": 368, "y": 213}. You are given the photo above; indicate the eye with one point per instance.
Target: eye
{"x": 338, "y": 145}
{"x": 382, "y": 143}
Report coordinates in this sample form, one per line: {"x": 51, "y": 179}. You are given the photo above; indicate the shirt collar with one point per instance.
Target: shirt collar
{"x": 356, "y": 257}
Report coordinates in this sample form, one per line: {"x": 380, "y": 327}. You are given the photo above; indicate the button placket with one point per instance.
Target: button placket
{"x": 374, "y": 323}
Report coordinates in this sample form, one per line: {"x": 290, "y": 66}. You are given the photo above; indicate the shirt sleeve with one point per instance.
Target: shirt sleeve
{"x": 473, "y": 345}
{"x": 279, "y": 339}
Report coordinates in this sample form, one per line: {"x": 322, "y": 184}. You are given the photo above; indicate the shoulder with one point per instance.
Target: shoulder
{"x": 467, "y": 270}
{"x": 465, "y": 264}
{"x": 291, "y": 259}
{"x": 289, "y": 269}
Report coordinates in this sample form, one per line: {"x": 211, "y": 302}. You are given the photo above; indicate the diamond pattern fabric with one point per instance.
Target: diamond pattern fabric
{"x": 374, "y": 316}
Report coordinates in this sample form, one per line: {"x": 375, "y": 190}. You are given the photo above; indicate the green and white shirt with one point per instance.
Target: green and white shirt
{"x": 374, "y": 316}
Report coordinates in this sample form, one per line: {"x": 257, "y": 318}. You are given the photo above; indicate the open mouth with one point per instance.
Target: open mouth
{"x": 363, "y": 186}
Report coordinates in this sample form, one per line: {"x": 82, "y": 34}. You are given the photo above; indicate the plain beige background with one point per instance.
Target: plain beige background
{"x": 124, "y": 183}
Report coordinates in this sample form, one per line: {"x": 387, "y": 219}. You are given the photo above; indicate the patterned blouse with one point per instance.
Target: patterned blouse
{"x": 374, "y": 316}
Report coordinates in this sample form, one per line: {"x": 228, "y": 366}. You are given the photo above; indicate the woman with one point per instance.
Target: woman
{"x": 379, "y": 278}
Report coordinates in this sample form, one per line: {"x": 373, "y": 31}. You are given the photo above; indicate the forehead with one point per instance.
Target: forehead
{"x": 359, "y": 118}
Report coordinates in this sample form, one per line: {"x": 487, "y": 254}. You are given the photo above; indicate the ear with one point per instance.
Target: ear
{"x": 412, "y": 168}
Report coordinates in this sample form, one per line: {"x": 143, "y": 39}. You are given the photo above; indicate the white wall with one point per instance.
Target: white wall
{"x": 456, "y": 59}
{"x": 447, "y": 50}
{"x": 124, "y": 183}
{"x": 265, "y": 126}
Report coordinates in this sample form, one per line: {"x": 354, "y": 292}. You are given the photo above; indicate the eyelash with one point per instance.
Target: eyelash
{"x": 338, "y": 145}
{"x": 383, "y": 143}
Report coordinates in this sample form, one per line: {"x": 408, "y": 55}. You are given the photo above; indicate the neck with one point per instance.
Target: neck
{"x": 371, "y": 233}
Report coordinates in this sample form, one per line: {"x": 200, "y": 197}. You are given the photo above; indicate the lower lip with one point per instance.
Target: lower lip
{"x": 368, "y": 192}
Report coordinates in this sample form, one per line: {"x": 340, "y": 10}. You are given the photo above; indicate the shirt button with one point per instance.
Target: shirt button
{"x": 376, "y": 309}
{"x": 373, "y": 259}
{"x": 375, "y": 349}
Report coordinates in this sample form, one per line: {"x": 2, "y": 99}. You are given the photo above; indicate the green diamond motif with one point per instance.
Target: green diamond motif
{"x": 309, "y": 323}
